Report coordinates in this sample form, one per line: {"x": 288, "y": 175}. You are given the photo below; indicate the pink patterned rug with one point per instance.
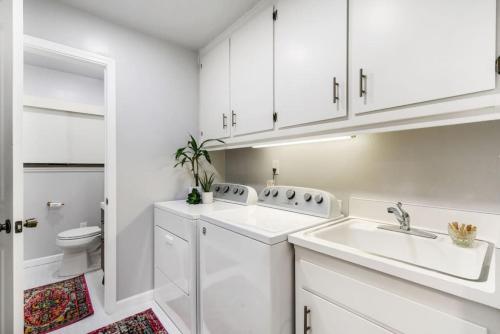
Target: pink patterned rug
{"x": 141, "y": 323}
{"x": 52, "y": 306}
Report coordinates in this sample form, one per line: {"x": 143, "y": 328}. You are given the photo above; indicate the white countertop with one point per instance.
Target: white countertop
{"x": 194, "y": 211}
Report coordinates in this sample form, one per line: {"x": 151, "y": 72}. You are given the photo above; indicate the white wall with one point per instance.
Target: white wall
{"x": 157, "y": 102}
{"x": 453, "y": 166}
{"x": 61, "y": 136}
{"x": 80, "y": 190}
{"x": 70, "y": 87}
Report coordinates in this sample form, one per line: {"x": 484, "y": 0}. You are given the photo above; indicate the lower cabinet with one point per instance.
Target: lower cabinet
{"x": 328, "y": 301}
{"x": 319, "y": 316}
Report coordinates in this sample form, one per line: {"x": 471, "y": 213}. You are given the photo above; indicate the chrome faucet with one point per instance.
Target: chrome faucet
{"x": 403, "y": 218}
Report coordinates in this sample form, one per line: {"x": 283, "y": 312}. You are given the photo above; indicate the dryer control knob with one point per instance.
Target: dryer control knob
{"x": 275, "y": 192}
{"x": 267, "y": 192}
{"x": 290, "y": 193}
{"x": 242, "y": 191}
{"x": 235, "y": 191}
{"x": 226, "y": 189}
{"x": 307, "y": 197}
{"x": 217, "y": 188}
{"x": 318, "y": 199}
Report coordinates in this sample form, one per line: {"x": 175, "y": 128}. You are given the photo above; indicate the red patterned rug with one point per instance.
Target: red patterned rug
{"x": 52, "y": 306}
{"x": 141, "y": 323}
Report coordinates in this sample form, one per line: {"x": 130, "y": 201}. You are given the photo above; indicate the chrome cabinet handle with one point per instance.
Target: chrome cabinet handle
{"x": 336, "y": 86}
{"x": 307, "y": 311}
{"x": 224, "y": 121}
{"x": 362, "y": 80}
{"x": 233, "y": 118}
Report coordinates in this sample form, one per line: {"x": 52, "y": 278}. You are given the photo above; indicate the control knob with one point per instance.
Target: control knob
{"x": 226, "y": 189}
{"x": 235, "y": 191}
{"x": 307, "y": 197}
{"x": 267, "y": 192}
{"x": 318, "y": 199}
{"x": 242, "y": 191}
{"x": 275, "y": 192}
{"x": 217, "y": 188}
{"x": 290, "y": 193}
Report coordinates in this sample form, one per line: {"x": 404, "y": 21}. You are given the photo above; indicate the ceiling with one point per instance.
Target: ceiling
{"x": 190, "y": 23}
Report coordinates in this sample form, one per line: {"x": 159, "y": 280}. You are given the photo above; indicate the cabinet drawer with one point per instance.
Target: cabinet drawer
{"x": 179, "y": 226}
{"x": 179, "y": 307}
{"x": 401, "y": 314}
{"x": 324, "y": 317}
{"x": 173, "y": 258}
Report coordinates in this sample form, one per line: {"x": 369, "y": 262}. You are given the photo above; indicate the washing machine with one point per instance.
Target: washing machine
{"x": 176, "y": 251}
{"x": 246, "y": 265}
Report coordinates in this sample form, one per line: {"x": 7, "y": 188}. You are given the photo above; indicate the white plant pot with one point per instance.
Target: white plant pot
{"x": 207, "y": 198}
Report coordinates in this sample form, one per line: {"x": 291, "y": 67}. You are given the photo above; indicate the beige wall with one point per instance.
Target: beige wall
{"x": 454, "y": 166}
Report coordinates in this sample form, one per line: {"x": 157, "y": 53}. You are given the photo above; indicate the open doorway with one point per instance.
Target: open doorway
{"x": 69, "y": 157}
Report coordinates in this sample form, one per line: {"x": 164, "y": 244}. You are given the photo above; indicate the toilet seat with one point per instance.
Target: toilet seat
{"x": 79, "y": 233}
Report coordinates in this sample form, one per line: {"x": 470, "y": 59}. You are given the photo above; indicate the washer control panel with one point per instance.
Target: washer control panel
{"x": 309, "y": 201}
{"x": 236, "y": 193}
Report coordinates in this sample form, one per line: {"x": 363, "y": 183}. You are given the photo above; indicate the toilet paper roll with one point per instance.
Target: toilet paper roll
{"x": 54, "y": 204}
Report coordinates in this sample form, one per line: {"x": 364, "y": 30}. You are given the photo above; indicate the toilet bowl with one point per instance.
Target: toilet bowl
{"x": 81, "y": 247}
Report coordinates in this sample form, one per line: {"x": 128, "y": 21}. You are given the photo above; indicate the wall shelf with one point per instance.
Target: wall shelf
{"x": 62, "y": 105}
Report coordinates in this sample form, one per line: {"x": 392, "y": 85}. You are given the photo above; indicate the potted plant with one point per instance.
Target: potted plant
{"x": 192, "y": 155}
{"x": 206, "y": 182}
{"x": 194, "y": 197}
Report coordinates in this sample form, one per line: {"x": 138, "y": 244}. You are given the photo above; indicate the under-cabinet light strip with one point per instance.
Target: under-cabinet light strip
{"x": 306, "y": 141}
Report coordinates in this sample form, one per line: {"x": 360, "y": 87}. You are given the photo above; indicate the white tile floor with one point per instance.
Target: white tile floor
{"x": 45, "y": 274}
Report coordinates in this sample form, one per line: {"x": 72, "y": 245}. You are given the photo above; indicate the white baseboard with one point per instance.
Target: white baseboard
{"x": 136, "y": 299}
{"x": 42, "y": 260}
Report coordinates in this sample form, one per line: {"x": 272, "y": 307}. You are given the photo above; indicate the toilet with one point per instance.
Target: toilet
{"x": 81, "y": 250}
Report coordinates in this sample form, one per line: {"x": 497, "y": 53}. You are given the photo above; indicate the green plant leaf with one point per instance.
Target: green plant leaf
{"x": 210, "y": 140}
{"x": 207, "y": 156}
{"x": 194, "y": 144}
{"x": 207, "y": 181}
{"x": 179, "y": 152}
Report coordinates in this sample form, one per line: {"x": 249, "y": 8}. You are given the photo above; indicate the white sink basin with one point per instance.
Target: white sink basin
{"x": 439, "y": 255}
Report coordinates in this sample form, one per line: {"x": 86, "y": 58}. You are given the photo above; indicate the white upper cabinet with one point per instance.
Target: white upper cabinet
{"x": 409, "y": 51}
{"x": 215, "y": 109}
{"x": 310, "y": 61}
{"x": 252, "y": 101}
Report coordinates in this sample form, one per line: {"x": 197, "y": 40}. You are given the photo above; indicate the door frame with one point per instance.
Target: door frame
{"x": 110, "y": 229}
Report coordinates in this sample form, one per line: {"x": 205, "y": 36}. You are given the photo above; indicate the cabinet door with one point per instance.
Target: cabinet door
{"x": 323, "y": 317}
{"x": 310, "y": 61}
{"x": 252, "y": 75}
{"x": 214, "y": 93}
{"x": 414, "y": 51}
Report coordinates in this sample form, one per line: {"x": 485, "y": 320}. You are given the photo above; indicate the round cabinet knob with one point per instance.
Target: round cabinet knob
{"x": 318, "y": 199}
{"x": 217, "y": 188}
{"x": 275, "y": 192}
{"x": 242, "y": 191}
{"x": 290, "y": 194}
{"x": 307, "y": 197}
{"x": 267, "y": 192}
{"x": 226, "y": 189}
{"x": 235, "y": 191}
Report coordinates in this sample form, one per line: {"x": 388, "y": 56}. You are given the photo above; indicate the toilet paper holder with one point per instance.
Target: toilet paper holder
{"x": 54, "y": 204}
